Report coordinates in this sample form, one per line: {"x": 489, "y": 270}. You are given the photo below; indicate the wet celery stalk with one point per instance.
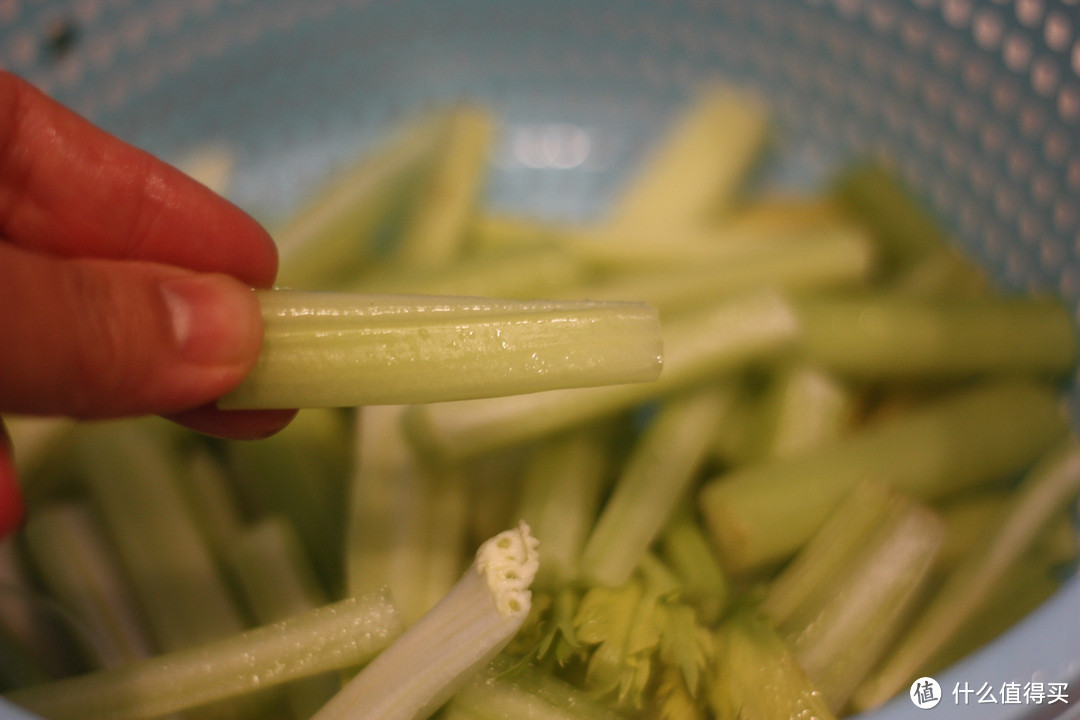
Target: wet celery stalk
{"x": 329, "y": 350}
{"x": 342, "y": 635}
{"x": 664, "y": 462}
{"x": 708, "y": 344}
{"x": 1052, "y": 483}
{"x": 881, "y": 336}
{"x": 762, "y": 513}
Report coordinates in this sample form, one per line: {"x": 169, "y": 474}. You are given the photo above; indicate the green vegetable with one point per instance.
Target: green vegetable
{"x": 341, "y": 635}
{"x": 325, "y": 350}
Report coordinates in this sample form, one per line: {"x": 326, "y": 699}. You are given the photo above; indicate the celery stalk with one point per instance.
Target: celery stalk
{"x": 533, "y": 272}
{"x": 341, "y": 635}
{"x": 841, "y": 637}
{"x": 1047, "y": 487}
{"x": 406, "y": 527}
{"x": 698, "y": 347}
{"x": 434, "y": 232}
{"x": 74, "y": 558}
{"x": 890, "y": 337}
{"x": 341, "y": 351}
{"x": 133, "y": 480}
{"x": 839, "y": 258}
{"x": 435, "y": 657}
{"x": 761, "y": 514}
{"x": 279, "y": 582}
{"x": 334, "y": 235}
{"x": 562, "y": 487}
{"x": 664, "y": 463}
{"x": 697, "y": 166}
{"x": 289, "y": 474}
{"x": 806, "y": 407}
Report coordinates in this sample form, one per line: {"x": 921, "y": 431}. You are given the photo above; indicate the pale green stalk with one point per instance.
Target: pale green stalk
{"x": 661, "y": 468}
{"x": 533, "y": 272}
{"x": 760, "y": 514}
{"x": 1053, "y": 482}
{"x": 438, "y": 654}
{"x": 560, "y": 495}
{"x": 434, "y": 231}
{"x": 840, "y": 258}
{"x": 406, "y": 529}
{"x": 698, "y": 347}
{"x": 333, "y": 637}
{"x": 843, "y": 633}
{"x": 878, "y": 336}
{"x": 292, "y": 474}
{"x": 806, "y": 407}
{"x": 133, "y": 479}
{"x": 347, "y": 350}
{"x": 696, "y": 168}
{"x": 279, "y": 583}
{"x": 79, "y": 567}
{"x": 212, "y": 500}
{"x": 337, "y": 232}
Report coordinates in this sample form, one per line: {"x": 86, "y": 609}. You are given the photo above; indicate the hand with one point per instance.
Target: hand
{"x": 125, "y": 286}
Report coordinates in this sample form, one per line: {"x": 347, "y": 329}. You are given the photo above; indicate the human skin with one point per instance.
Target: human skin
{"x": 125, "y": 286}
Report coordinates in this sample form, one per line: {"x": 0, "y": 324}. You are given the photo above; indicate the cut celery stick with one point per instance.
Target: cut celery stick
{"x": 876, "y": 196}
{"x": 629, "y": 250}
{"x": 755, "y": 676}
{"x": 846, "y": 635}
{"x": 525, "y": 273}
{"x": 279, "y": 583}
{"x": 526, "y": 692}
{"x": 806, "y": 407}
{"x": 292, "y": 474}
{"x": 698, "y": 347}
{"x": 435, "y": 657}
{"x": 698, "y": 165}
{"x": 687, "y": 551}
{"x": 497, "y": 232}
{"x": 562, "y": 486}
{"x": 133, "y": 477}
{"x": 661, "y": 468}
{"x": 342, "y": 635}
{"x": 434, "y": 232}
{"x": 781, "y": 213}
{"x": 836, "y": 259}
{"x": 893, "y": 337}
{"x": 81, "y": 571}
{"x": 212, "y": 500}
{"x": 331, "y": 238}
{"x": 1053, "y": 482}
{"x": 407, "y": 522}
{"x": 762, "y": 513}
{"x": 348, "y": 350}
{"x": 810, "y": 579}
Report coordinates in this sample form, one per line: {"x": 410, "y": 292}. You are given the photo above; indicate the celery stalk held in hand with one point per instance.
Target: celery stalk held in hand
{"x": 439, "y": 654}
{"x": 329, "y": 350}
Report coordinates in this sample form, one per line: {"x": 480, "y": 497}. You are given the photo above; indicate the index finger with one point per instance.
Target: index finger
{"x": 69, "y": 188}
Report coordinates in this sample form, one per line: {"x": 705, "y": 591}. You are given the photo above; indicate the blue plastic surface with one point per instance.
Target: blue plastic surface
{"x": 977, "y": 102}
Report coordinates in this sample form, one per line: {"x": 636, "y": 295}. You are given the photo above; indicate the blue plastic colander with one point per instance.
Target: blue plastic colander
{"x": 977, "y": 102}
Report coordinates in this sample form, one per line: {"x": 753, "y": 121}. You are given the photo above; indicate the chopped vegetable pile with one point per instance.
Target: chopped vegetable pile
{"x": 725, "y": 454}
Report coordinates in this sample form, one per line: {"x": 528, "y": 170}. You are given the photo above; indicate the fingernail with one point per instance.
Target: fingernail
{"x": 215, "y": 319}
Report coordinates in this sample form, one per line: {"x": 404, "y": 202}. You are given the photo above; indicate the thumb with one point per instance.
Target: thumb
{"x": 92, "y": 338}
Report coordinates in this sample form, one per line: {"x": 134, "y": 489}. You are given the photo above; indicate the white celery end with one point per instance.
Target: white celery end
{"x": 509, "y": 562}
{"x": 439, "y": 653}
